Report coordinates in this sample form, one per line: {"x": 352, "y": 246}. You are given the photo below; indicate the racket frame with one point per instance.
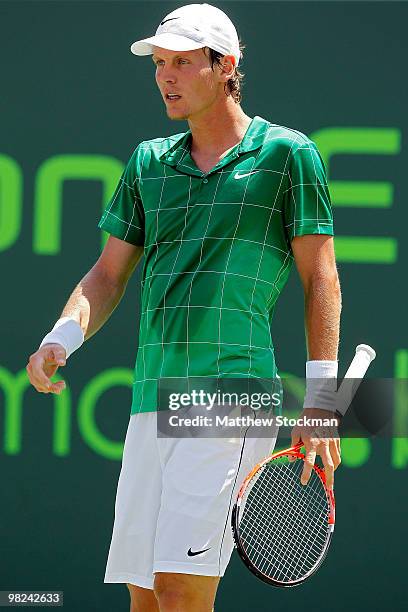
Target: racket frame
{"x": 293, "y": 451}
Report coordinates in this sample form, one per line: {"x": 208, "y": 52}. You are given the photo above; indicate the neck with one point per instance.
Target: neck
{"x": 218, "y": 129}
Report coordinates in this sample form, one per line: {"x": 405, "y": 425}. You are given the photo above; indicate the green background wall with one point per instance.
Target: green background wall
{"x": 70, "y": 87}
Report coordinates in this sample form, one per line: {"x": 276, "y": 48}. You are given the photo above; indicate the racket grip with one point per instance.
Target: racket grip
{"x": 365, "y": 354}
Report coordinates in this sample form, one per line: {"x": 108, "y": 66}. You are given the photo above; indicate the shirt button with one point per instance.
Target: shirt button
{"x": 205, "y": 180}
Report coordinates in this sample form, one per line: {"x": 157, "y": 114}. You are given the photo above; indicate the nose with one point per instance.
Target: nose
{"x": 166, "y": 74}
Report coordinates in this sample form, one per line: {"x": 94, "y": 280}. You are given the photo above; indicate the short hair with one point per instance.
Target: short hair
{"x": 234, "y": 85}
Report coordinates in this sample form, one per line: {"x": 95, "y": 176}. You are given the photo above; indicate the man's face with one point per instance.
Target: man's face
{"x": 188, "y": 75}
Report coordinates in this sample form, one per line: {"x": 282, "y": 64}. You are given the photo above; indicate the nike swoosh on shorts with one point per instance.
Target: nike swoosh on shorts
{"x": 199, "y": 552}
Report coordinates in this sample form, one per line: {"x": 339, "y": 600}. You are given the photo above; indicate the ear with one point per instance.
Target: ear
{"x": 227, "y": 67}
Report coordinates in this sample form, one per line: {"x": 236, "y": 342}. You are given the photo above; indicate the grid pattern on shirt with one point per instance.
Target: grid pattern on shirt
{"x": 217, "y": 250}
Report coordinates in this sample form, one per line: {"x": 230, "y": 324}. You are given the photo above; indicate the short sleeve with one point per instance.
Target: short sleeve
{"x": 124, "y": 214}
{"x": 307, "y": 203}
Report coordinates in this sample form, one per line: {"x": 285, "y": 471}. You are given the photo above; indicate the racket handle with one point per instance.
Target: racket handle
{"x": 362, "y": 359}
{"x": 365, "y": 354}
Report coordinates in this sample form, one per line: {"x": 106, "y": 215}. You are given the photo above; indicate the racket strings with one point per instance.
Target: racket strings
{"x": 260, "y": 503}
{"x": 280, "y": 550}
{"x": 280, "y": 541}
{"x": 279, "y": 546}
{"x": 282, "y": 544}
{"x": 284, "y": 525}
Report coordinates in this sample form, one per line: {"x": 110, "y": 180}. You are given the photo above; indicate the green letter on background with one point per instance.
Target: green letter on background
{"x": 355, "y": 451}
{"x": 11, "y": 201}
{"x": 14, "y": 388}
{"x": 399, "y": 458}
{"x": 49, "y": 193}
{"x": 86, "y": 410}
{"x": 374, "y": 194}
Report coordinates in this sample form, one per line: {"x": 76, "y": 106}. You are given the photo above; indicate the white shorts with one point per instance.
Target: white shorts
{"x": 174, "y": 501}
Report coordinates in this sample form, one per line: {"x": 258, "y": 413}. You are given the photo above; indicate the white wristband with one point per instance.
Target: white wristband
{"x": 66, "y": 332}
{"x": 321, "y": 385}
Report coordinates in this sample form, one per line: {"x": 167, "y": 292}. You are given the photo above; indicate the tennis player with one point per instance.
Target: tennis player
{"x": 220, "y": 213}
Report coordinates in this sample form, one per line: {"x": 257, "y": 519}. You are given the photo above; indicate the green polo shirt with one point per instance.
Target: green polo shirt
{"x": 217, "y": 250}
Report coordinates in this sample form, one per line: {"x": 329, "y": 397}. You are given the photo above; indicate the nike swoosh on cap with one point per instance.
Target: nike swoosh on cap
{"x": 199, "y": 552}
{"x": 166, "y": 20}
{"x": 237, "y": 175}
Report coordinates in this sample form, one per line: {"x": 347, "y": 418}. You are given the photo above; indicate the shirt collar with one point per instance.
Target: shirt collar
{"x": 254, "y": 136}
{"x": 177, "y": 151}
{"x": 252, "y": 140}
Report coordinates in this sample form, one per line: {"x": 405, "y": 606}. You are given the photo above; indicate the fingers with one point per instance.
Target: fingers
{"x": 309, "y": 462}
{"x": 338, "y": 448}
{"x": 57, "y": 387}
{"x": 332, "y": 439}
{"x": 295, "y": 439}
{"x": 329, "y": 452}
{"x": 36, "y": 374}
{"x": 55, "y": 354}
{"x": 43, "y": 364}
{"x": 335, "y": 452}
{"x": 328, "y": 465}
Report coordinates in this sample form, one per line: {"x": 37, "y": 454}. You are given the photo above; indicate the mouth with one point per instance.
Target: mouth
{"x": 172, "y": 97}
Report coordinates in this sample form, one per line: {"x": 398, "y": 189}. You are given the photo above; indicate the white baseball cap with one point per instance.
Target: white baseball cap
{"x": 192, "y": 27}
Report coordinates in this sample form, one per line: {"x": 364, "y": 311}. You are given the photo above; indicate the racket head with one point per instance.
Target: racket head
{"x": 281, "y": 528}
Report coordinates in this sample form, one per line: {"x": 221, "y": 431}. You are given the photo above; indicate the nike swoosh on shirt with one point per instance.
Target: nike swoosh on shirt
{"x": 199, "y": 552}
{"x": 237, "y": 175}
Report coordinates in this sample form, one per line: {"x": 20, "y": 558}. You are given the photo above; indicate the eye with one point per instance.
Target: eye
{"x": 158, "y": 62}
{"x": 183, "y": 61}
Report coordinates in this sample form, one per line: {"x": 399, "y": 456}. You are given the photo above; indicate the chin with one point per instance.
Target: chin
{"x": 176, "y": 116}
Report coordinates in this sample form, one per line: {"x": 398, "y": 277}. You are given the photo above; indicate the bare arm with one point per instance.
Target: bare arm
{"x": 90, "y": 304}
{"x": 101, "y": 289}
{"x": 315, "y": 261}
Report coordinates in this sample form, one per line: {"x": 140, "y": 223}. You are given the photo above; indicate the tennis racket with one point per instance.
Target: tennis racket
{"x": 282, "y": 529}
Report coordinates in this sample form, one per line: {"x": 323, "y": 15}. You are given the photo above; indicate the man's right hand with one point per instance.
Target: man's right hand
{"x": 43, "y": 364}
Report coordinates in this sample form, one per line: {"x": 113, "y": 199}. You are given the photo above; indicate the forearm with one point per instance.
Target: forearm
{"x": 322, "y": 317}
{"x": 322, "y": 323}
{"x": 93, "y": 300}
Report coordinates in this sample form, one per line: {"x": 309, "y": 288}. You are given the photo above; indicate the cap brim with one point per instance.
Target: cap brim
{"x": 172, "y": 42}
